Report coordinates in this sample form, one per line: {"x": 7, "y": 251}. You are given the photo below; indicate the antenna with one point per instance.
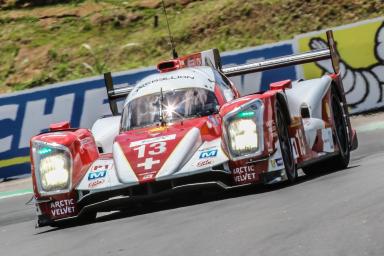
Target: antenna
{"x": 174, "y": 53}
{"x": 162, "y": 119}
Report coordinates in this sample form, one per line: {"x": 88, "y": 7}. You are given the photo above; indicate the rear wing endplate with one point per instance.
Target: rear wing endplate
{"x": 296, "y": 59}
{"x": 114, "y": 95}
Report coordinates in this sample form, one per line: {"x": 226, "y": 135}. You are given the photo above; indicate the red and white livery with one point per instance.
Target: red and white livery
{"x": 187, "y": 128}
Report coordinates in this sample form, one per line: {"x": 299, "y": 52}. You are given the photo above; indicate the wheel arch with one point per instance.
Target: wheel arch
{"x": 284, "y": 106}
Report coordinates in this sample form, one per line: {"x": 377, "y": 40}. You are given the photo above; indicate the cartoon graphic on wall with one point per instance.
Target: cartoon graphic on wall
{"x": 361, "y": 65}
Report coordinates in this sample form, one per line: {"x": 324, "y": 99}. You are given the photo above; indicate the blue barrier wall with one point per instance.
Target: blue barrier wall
{"x": 30, "y": 112}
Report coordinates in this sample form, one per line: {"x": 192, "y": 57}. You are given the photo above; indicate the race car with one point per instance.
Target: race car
{"x": 188, "y": 128}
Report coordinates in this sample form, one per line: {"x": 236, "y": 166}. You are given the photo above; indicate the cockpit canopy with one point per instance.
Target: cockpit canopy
{"x": 168, "y": 106}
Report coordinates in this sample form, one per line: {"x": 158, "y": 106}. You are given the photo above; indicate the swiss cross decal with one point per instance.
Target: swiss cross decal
{"x": 148, "y": 163}
{"x": 150, "y": 150}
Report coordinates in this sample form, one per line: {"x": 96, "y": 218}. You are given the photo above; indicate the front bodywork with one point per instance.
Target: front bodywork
{"x": 153, "y": 161}
{"x": 150, "y": 160}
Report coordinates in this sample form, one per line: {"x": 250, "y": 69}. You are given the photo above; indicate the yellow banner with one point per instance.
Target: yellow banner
{"x": 361, "y": 50}
{"x": 356, "y": 46}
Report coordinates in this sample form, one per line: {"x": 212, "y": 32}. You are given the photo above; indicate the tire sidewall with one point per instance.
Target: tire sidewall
{"x": 344, "y": 150}
{"x": 290, "y": 171}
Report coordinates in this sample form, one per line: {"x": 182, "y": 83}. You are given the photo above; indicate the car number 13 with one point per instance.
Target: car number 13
{"x": 156, "y": 148}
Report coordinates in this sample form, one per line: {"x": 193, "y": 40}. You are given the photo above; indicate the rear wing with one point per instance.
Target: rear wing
{"x": 212, "y": 58}
{"x": 296, "y": 59}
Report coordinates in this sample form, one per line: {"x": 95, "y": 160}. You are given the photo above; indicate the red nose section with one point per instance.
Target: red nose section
{"x": 148, "y": 149}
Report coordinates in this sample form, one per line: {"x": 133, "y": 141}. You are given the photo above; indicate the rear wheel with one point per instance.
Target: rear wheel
{"x": 285, "y": 144}
{"x": 341, "y": 160}
{"x": 341, "y": 127}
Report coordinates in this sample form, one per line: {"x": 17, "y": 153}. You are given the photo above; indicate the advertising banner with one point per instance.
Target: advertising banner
{"x": 361, "y": 50}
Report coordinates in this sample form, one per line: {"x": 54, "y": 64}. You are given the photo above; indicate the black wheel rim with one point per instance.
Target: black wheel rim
{"x": 285, "y": 145}
{"x": 340, "y": 125}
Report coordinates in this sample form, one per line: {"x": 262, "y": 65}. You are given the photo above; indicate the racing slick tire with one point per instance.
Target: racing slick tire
{"x": 285, "y": 144}
{"x": 341, "y": 160}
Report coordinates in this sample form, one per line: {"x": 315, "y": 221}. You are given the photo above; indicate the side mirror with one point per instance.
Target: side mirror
{"x": 281, "y": 85}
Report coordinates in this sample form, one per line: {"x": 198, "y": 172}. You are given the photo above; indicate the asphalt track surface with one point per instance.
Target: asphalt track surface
{"x": 337, "y": 213}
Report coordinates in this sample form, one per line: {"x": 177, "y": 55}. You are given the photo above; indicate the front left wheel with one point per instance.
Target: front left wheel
{"x": 285, "y": 144}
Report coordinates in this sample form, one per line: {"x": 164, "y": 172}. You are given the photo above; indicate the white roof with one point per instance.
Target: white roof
{"x": 196, "y": 77}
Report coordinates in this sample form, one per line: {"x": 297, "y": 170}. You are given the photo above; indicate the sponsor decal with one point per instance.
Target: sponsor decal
{"x": 327, "y": 140}
{"x": 276, "y": 163}
{"x": 273, "y": 163}
{"x": 280, "y": 162}
{"x": 152, "y": 140}
{"x": 96, "y": 183}
{"x": 208, "y": 153}
{"x": 204, "y": 162}
{"x": 148, "y": 176}
{"x": 62, "y": 207}
{"x": 97, "y": 175}
{"x": 244, "y": 174}
{"x": 166, "y": 78}
{"x": 102, "y": 167}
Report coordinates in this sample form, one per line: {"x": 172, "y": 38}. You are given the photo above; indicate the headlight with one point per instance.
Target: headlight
{"x": 53, "y": 166}
{"x": 54, "y": 172}
{"x": 243, "y": 135}
{"x": 243, "y": 130}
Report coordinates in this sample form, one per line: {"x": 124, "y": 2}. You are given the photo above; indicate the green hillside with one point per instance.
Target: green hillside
{"x": 44, "y": 42}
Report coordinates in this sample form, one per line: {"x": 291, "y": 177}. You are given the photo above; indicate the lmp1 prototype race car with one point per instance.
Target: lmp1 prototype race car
{"x": 186, "y": 128}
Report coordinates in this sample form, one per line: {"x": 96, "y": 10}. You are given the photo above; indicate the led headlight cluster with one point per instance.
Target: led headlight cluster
{"x": 53, "y": 166}
{"x": 243, "y": 135}
{"x": 243, "y": 130}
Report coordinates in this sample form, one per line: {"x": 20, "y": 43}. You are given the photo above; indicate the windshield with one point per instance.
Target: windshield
{"x": 177, "y": 104}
